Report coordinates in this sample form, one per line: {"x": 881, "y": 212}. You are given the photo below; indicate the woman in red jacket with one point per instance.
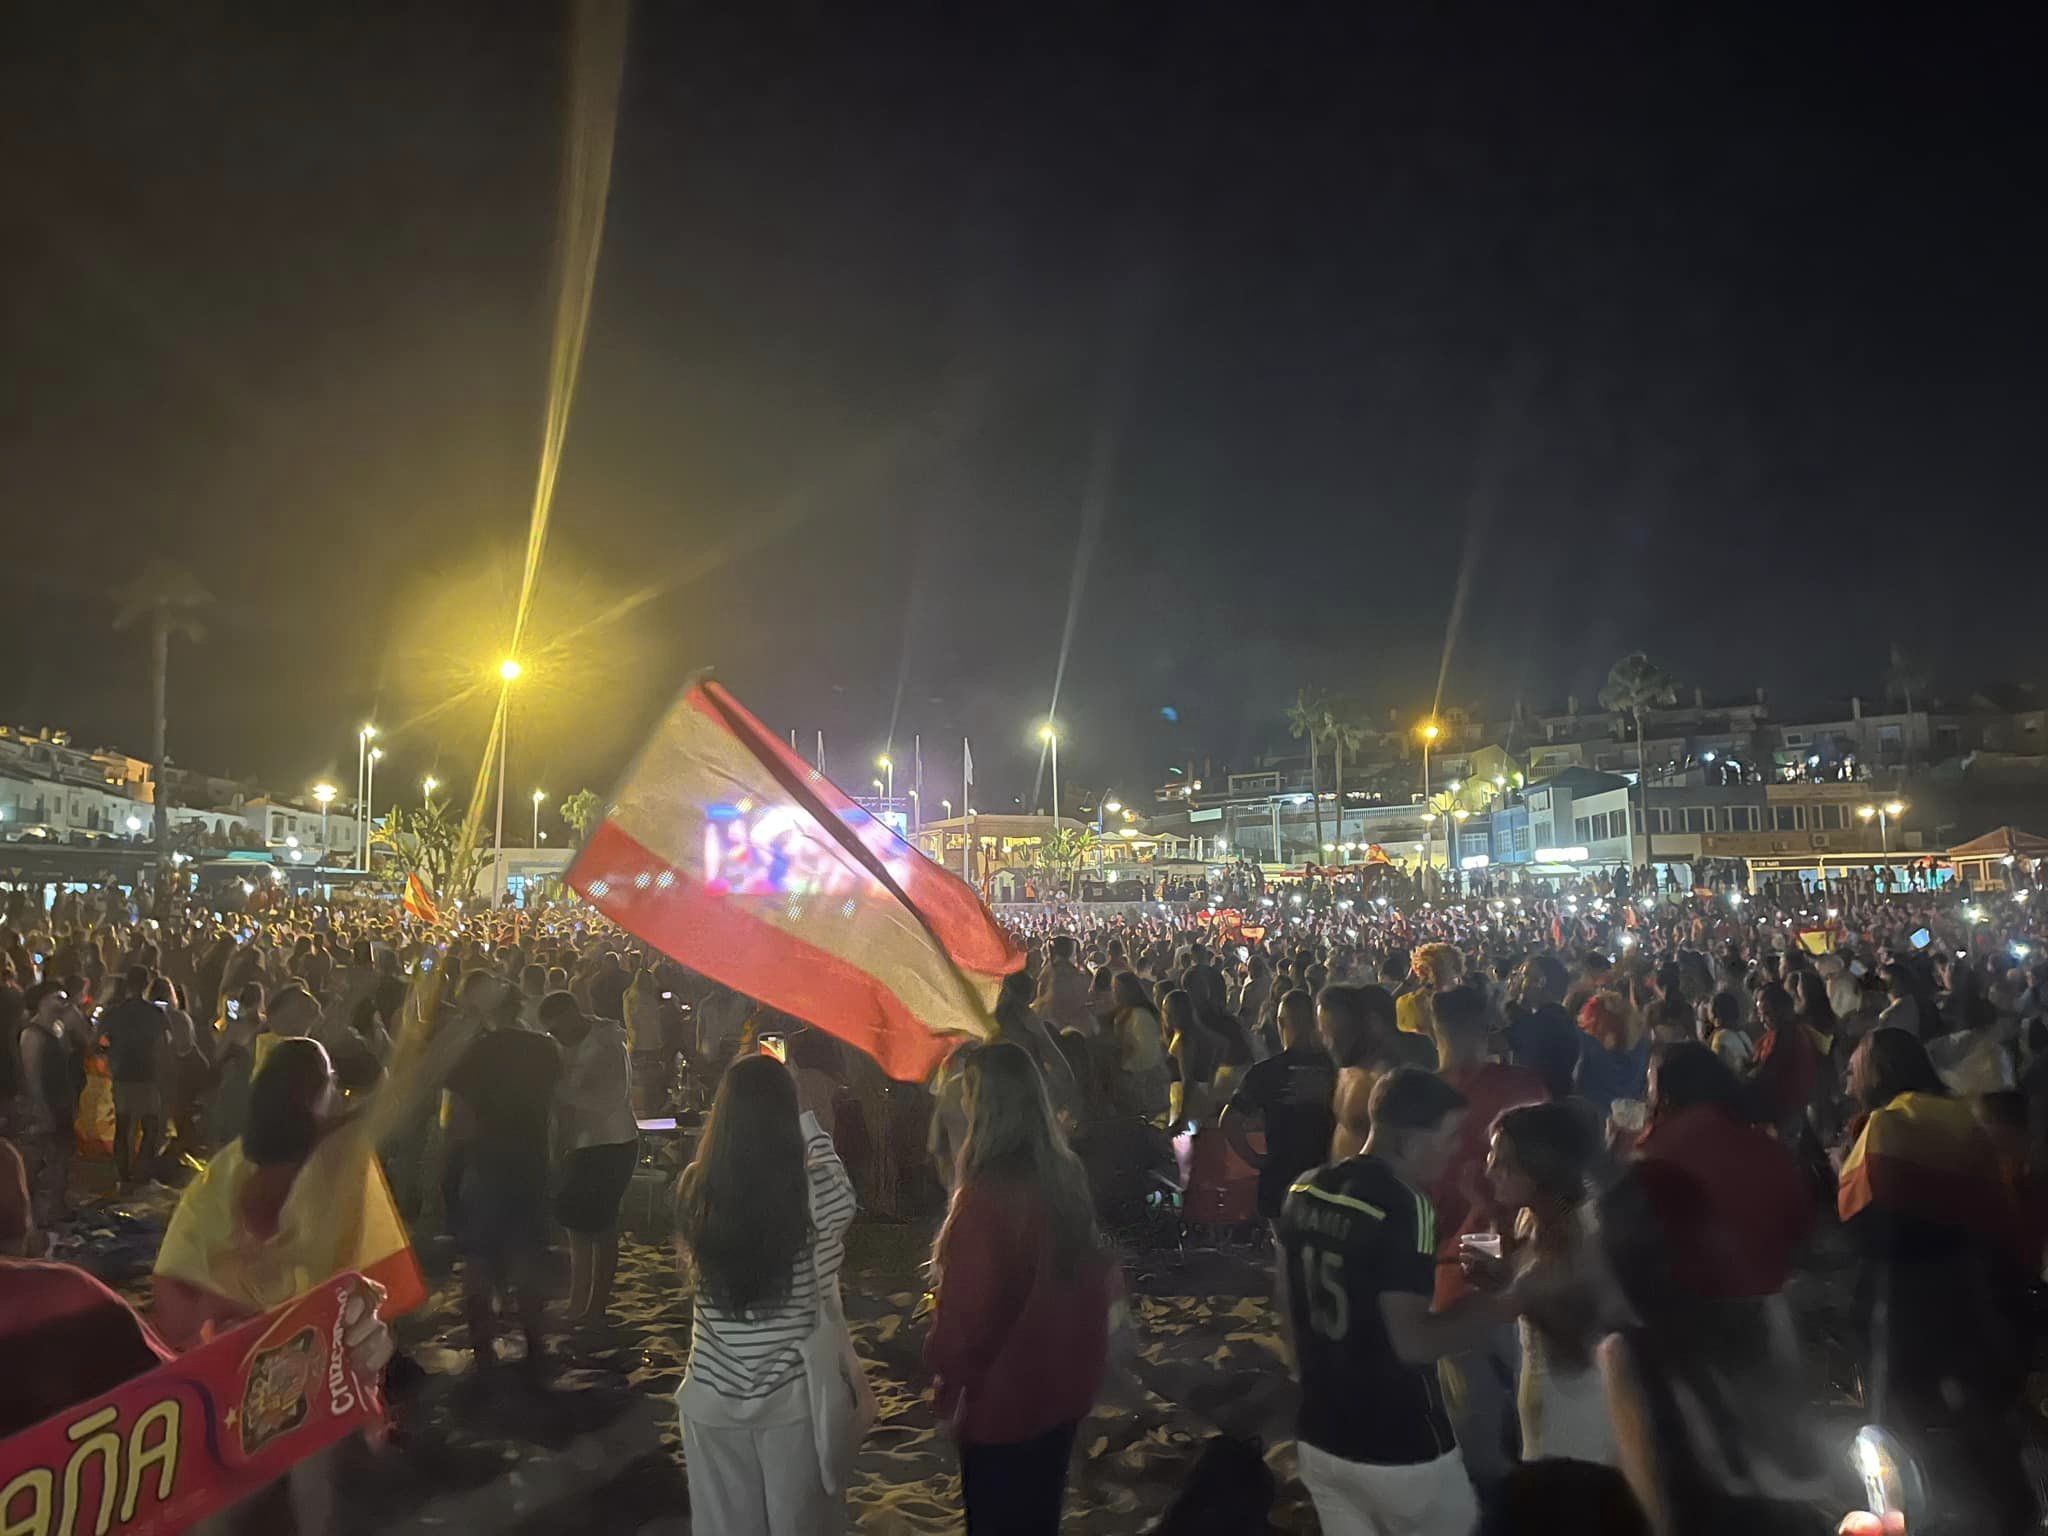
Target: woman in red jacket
{"x": 1023, "y": 1288}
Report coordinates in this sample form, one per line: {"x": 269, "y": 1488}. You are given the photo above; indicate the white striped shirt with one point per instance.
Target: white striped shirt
{"x": 745, "y": 1358}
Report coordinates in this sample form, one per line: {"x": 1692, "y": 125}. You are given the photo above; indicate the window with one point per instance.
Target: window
{"x": 1663, "y": 816}
{"x": 1582, "y": 829}
{"x": 1795, "y": 738}
{"x": 1696, "y": 819}
{"x": 1521, "y": 839}
{"x": 277, "y": 824}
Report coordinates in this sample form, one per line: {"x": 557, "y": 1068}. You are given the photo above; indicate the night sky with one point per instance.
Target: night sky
{"x": 1707, "y": 330}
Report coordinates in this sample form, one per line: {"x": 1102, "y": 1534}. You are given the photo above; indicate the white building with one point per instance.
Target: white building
{"x": 286, "y": 827}
{"x": 1578, "y": 809}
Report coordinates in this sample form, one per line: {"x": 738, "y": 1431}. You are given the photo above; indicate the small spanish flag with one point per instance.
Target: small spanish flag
{"x": 339, "y": 1216}
{"x": 419, "y": 901}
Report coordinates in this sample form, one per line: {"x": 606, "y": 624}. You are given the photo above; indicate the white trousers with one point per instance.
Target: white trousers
{"x": 758, "y": 1482}
{"x": 1359, "y": 1498}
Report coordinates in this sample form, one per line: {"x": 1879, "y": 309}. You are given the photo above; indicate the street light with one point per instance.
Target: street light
{"x": 1884, "y": 814}
{"x": 509, "y": 672}
{"x": 538, "y": 796}
{"x": 1429, "y": 733}
{"x": 324, "y": 793}
{"x": 888, "y": 765}
{"x": 369, "y": 797}
{"x": 1050, "y": 735}
{"x": 427, "y": 787}
{"x": 947, "y": 806}
{"x": 364, "y": 737}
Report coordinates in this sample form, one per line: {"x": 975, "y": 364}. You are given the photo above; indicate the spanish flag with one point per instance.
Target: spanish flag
{"x": 1924, "y": 1156}
{"x": 338, "y": 1216}
{"x": 419, "y": 901}
{"x": 729, "y": 853}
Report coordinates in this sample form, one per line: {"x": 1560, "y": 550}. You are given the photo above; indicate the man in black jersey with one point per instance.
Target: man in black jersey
{"x": 1358, "y": 1247}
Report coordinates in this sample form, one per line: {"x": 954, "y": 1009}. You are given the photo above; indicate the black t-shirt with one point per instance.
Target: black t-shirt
{"x": 1349, "y": 1233}
{"x": 1292, "y": 1092}
{"x": 508, "y": 1078}
{"x": 134, "y": 1028}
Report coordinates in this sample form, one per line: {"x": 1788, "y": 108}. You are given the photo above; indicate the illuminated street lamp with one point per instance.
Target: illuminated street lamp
{"x": 947, "y": 806}
{"x": 1429, "y": 733}
{"x": 888, "y": 765}
{"x": 1884, "y": 814}
{"x": 538, "y": 796}
{"x": 364, "y": 737}
{"x": 369, "y": 798}
{"x": 1049, "y": 734}
{"x": 324, "y": 793}
{"x": 509, "y": 672}
{"x": 427, "y": 787}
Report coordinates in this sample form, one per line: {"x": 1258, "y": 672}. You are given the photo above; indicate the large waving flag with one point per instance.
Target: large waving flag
{"x": 729, "y": 853}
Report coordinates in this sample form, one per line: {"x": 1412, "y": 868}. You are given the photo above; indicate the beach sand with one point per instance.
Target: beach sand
{"x": 602, "y": 1449}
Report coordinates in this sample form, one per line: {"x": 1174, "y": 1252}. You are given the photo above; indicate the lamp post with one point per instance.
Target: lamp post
{"x": 1103, "y": 808}
{"x": 369, "y": 797}
{"x": 916, "y": 811}
{"x": 1050, "y": 735}
{"x": 1884, "y": 814}
{"x": 1429, "y": 733}
{"x": 324, "y": 793}
{"x": 363, "y": 739}
{"x": 427, "y": 787}
{"x": 538, "y": 796}
{"x": 888, "y": 765}
{"x": 508, "y": 673}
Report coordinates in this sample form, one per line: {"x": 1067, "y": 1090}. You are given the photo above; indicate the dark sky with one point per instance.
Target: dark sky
{"x": 1708, "y": 330}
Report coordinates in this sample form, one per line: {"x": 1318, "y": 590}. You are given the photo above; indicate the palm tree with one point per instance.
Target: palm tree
{"x": 430, "y": 842}
{"x": 1304, "y": 723}
{"x": 1067, "y": 849}
{"x": 582, "y": 811}
{"x": 1906, "y": 676}
{"x": 1343, "y": 734}
{"x": 172, "y": 599}
{"x": 1635, "y": 684}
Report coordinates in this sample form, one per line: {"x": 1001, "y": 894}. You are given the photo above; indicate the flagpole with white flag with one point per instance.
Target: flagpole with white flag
{"x": 966, "y": 811}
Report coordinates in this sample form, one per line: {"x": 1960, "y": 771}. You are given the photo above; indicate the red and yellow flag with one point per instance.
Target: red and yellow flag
{"x": 1924, "y": 1155}
{"x": 419, "y": 901}
{"x": 338, "y": 1217}
{"x": 732, "y": 855}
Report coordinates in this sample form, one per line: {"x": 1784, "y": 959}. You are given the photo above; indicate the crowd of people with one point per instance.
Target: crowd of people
{"x": 1536, "y": 1168}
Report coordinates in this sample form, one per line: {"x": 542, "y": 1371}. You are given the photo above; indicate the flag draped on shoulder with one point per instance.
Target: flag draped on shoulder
{"x": 729, "y": 853}
{"x": 1925, "y": 1156}
{"x": 337, "y": 1217}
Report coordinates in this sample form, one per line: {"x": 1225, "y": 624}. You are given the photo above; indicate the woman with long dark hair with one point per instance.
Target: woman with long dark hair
{"x": 1020, "y": 1333}
{"x": 761, "y": 1218}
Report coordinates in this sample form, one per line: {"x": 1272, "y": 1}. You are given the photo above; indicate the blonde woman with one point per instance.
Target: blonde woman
{"x": 1435, "y": 968}
{"x": 1020, "y": 1331}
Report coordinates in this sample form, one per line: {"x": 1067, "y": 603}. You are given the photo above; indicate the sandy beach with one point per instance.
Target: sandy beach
{"x": 602, "y": 1450}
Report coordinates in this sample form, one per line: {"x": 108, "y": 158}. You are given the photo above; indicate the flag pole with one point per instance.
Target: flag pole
{"x": 820, "y": 763}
